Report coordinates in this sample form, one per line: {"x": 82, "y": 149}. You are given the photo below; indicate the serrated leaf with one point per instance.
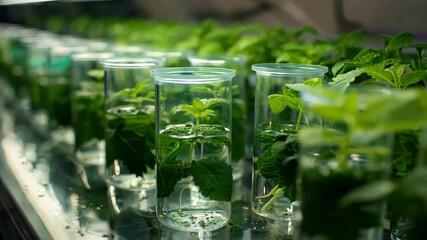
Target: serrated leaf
{"x": 413, "y": 78}
{"x": 168, "y": 175}
{"x": 132, "y": 149}
{"x": 198, "y": 105}
{"x": 342, "y": 81}
{"x": 210, "y": 102}
{"x": 277, "y": 103}
{"x": 279, "y": 161}
{"x": 214, "y": 178}
{"x": 399, "y": 41}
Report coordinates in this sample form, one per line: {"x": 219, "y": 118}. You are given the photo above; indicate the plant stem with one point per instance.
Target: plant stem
{"x": 277, "y": 194}
{"x": 342, "y": 157}
{"x": 268, "y": 194}
{"x": 180, "y": 198}
{"x": 298, "y": 121}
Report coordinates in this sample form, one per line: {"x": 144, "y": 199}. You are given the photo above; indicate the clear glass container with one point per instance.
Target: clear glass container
{"x": 130, "y": 135}
{"x": 36, "y": 72}
{"x": 193, "y": 147}
{"x": 241, "y": 139}
{"x": 88, "y": 116}
{"x": 59, "y": 91}
{"x": 345, "y": 163}
{"x": 275, "y": 156}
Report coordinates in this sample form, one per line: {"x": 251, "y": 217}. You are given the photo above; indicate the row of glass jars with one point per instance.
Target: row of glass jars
{"x": 169, "y": 140}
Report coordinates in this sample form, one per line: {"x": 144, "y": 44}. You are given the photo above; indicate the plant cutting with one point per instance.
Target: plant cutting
{"x": 398, "y": 65}
{"x": 130, "y": 134}
{"x": 278, "y": 118}
{"x": 193, "y": 143}
{"x": 241, "y": 131}
{"x": 88, "y": 110}
{"x": 130, "y": 128}
{"x": 279, "y": 161}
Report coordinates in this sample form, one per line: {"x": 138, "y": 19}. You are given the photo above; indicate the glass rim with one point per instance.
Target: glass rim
{"x": 130, "y": 62}
{"x": 289, "y": 69}
{"x": 91, "y": 56}
{"x": 65, "y": 50}
{"x": 217, "y": 59}
{"x": 192, "y": 75}
{"x": 167, "y": 54}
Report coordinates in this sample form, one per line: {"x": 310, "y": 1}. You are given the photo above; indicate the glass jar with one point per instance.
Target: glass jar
{"x": 37, "y": 51}
{"x": 88, "y": 116}
{"x": 275, "y": 154}
{"x": 345, "y": 163}
{"x": 130, "y": 135}
{"x": 193, "y": 147}
{"x": 59, "y": 88}
{"x": 240, "y": 155}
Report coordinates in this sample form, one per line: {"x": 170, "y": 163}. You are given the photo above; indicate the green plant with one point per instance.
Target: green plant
{"x": 354, "y": 126}
{"x": 130, "y": 128}
{"x": 179, "y": 156}
{"x": 279, "y": 159}
{"x": 88, "y": 109}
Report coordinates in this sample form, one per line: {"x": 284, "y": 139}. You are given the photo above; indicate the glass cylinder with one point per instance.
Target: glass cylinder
{"x": 193, "y": 147}
{"x": 345, "y": 163}
{"x": 130, "y": 135}
{"x": 277, "y": 120}
{"x": 88, "y": 116}
{"x": 59, "y": 86}
{"x": 16, "y": 60}
{"x": 242, "y": 168}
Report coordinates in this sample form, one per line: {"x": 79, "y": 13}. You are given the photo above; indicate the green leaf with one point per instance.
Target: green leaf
{"x": 364, "y": 58}
{"x": 390, "y": 75}
{"x": 214, "y": 178}
{"x": 211, "y": 102}
{"x": 399, "y": 41}
{"x": 133, "y": 149}
{"x": 97, "y": 74}
{"x": 413, "y": 78}
{"x": 317, "y": 136}
{"x": 288, "y": 98}
{"x": 342, "y": 81}
{"x": 277, "y": 103}
{"x": 168, "y": 175}
{"x": 201, "y": 89}
{"x": 371, "y": 192}
{"x": 279, "y": 160}
{"x": 198, "y": 105}
{"x": 314, "y": 82}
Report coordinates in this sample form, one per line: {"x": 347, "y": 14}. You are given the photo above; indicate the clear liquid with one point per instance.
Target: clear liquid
{"x": 186, "y": 208}
{"x": 266, "y": 201}
{"x": 129, "y": 192}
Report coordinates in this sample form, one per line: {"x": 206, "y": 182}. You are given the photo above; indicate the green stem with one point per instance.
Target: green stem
{"x": 190, "y": 153}
{"x": 298, "y": 121}
{"x": 342, "y": 157}
{"x": 278, "y": 193}
{"x": 268, "y": 194}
